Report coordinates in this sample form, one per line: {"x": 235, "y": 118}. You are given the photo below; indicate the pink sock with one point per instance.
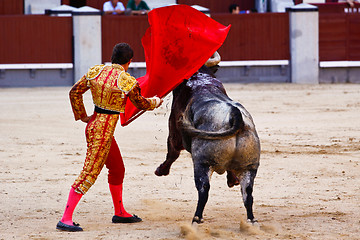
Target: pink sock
{"x": 116, "y": 193}
{"x": 72, "y": 202}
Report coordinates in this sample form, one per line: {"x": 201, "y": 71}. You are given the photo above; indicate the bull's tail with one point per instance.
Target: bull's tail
{"x": 235, "y": 119}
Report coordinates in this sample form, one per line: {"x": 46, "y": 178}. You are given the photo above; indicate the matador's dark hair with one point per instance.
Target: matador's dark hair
{"x": 122, "y": 53}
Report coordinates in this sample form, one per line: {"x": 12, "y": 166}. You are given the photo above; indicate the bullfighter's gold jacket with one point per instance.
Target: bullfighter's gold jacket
{"x": 110, "y": 86}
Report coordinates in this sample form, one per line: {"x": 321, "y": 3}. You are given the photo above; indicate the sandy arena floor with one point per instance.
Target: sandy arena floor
{"x": 307, "y": 187}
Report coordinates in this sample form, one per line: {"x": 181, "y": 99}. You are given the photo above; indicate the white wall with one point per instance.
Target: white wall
{"x": 87, "y": 41}
{"x": 39, "y": 6}
{"x": 304, "y": 44}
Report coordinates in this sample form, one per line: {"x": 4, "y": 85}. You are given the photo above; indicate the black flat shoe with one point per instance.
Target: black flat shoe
{"x": 69, "y": 228}
{"x": 132, "y": 219}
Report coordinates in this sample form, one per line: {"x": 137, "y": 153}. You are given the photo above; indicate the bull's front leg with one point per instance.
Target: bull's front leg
{"x": 174, "y": 147}
{"x": 247, "y": 183}
{"x": 164, "y": 168}
{"x": 202, "y": 182}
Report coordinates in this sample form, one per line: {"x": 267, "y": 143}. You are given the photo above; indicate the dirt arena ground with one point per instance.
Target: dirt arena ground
{"x": 307, "y": 187}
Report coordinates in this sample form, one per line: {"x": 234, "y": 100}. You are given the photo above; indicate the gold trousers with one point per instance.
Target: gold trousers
{"x": 99, "y": 135}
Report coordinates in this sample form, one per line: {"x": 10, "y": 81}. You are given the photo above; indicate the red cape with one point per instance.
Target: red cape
{"x": 178, "y": 42}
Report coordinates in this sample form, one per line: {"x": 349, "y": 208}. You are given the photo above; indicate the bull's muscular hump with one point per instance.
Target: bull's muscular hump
{"x": 220, "y": 135}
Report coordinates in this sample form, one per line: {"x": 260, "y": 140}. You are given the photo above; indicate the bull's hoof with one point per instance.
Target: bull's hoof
{"x": 253, "y": 222}
{"x": 162, "y": 171}
{"x": 197, "y": 220}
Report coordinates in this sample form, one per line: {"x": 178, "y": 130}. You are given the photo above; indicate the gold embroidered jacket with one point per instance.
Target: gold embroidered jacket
{"x": 110, "y": 86}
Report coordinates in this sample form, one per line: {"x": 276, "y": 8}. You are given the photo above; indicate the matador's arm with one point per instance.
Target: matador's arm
{"x": 76, "y": 98}
{"x": 130, "y": 86}
{"x": 141, "y": 102}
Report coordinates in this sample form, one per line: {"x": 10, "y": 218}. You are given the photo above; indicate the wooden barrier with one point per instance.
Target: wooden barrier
{"x": 11, "y": 7}
{"x": 35, "y": 39}
{"x": 129, "y": 29}
{"x": 251, "y": 37}
{"x": 339, "y": 32}
{"x": 45, "y": 39}
{"x": 255, "y": 36}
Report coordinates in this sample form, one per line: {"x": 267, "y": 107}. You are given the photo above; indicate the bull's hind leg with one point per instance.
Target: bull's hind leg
{"x": 247, "y": 183}
{"x": 202, "y": 182}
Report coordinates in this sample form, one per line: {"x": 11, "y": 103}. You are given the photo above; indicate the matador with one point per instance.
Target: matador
{"x": 110, "y": 87}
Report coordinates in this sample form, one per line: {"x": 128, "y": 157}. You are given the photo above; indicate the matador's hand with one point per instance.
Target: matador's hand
{"x": 85, "y": 119}
{"x": 158, "y": 100}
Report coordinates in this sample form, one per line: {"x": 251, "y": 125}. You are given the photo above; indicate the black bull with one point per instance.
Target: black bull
{"x": 218, "y": 132}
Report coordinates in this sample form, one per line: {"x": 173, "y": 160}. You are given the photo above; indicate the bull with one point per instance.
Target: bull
{"x": 218, "y": 132}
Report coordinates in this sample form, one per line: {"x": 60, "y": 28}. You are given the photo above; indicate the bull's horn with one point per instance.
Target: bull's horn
{"x": 213, "y": 60}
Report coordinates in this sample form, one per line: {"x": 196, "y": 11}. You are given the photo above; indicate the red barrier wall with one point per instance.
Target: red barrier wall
{"x": 251, "y": 37}
{"x": 45, "y": 39}
{"x": 339, "y": 32}
{"x": 255, "y": 36}
{"x": 35, "y": 39}
{"x": 129, "y": 29}
{"x": 10, "y": 7}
